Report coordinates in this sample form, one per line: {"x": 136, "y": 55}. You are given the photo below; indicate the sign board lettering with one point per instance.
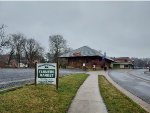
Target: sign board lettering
{"x": 46, "y": 73}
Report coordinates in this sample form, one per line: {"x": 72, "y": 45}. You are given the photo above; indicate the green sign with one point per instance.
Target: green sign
{"x": 46, "y": 73}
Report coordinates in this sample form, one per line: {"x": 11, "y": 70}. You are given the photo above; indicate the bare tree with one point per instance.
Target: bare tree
{"x": 57, "y": 46}
{"x": 16, "y": 42}
{"x": 50, "y": 56}
{"x": 11, "y": 46}
{"x": 33, "y": 51}
{"x": 3, "y": 38}
{"x": 66, "y": 50}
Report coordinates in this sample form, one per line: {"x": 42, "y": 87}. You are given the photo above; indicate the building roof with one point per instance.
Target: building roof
{"x": 124, "y": 63}
{"x": 84, "y": 51}
{"x": 123, "y": 60}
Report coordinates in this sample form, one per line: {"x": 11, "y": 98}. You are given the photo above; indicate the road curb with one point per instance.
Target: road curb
{"x": 10, "y": 89}
{"x": 136, "y": 99}
{"x": 13, "y": 88}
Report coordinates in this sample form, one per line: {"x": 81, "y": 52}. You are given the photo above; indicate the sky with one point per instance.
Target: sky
{"x": 121, "y": 29}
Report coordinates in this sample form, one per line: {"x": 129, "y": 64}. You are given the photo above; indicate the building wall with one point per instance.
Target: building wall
{"x": 122, "y": 66}
{"x": 116, "y": 66}
{"x": 77, "y": 62}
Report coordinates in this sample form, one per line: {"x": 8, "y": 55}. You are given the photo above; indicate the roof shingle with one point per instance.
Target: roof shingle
{"x": 83, "y": 51}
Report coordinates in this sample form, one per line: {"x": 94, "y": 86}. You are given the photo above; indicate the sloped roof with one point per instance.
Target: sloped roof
{"x": 82, "y": 51}
{"x": 123, "y": 60}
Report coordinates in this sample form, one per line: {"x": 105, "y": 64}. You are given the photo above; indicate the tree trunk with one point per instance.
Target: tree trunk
{"x": 10, "y": 57}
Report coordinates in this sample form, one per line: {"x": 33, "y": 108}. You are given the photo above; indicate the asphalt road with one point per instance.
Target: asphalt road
{"x": 135, "y": 81}
{"x": 16, "y": 77}
{"x": 140, "y": 73}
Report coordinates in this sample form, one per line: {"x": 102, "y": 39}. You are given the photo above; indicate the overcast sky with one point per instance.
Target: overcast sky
{"x": 119, "y": 28}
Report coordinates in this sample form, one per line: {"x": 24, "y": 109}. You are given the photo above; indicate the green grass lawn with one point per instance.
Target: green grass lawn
{"x": 42, "y": 98}
{"x": 115, "y": 101}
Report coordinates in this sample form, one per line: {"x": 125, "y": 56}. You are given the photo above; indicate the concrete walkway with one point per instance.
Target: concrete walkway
{"x": 88, "y": 98}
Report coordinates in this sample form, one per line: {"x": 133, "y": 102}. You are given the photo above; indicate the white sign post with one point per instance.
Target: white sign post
{"x": 46, "y": 73}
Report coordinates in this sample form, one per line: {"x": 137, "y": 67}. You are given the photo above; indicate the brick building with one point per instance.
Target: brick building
{"x": 86, "y": 55}
{"x": 122, "y": 63}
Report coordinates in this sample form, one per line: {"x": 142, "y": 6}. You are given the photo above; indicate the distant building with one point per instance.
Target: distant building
{"x": 86, "y": 56}
{"x": 14, "y": 64}
{"x": 4, "y": 62}
{"x": 122, "y": 63}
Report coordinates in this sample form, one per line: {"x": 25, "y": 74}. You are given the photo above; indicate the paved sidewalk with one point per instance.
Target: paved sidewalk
{"x": 88, "y": 98}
